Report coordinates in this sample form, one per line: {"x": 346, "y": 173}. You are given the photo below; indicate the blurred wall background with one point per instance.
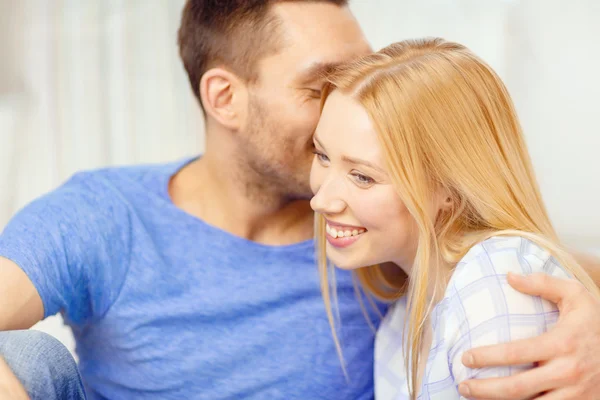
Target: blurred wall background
{"x": 90, "y": 83}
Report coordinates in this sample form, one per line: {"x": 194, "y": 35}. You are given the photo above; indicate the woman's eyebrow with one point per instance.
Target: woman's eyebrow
{"x": 352, "y": 160}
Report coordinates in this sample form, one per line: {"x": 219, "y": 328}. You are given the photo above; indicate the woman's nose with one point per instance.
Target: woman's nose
{"x": 327, "y": 200}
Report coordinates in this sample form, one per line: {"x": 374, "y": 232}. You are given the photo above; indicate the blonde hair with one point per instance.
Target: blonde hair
{"x": 444, "y": 120}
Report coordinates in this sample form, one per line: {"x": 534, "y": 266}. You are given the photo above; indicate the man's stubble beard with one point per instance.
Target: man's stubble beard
{"x": 269, "y": 165}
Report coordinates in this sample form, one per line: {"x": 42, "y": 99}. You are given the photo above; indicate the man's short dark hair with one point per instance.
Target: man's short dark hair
{"x": 232, "y": 33}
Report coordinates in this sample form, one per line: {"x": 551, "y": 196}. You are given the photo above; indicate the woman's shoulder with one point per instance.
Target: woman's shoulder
{"x": 499, "y": 255}
{"x": 480, "y": 308}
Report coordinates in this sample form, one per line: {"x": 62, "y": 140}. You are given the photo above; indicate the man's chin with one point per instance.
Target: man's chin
{"x": 300, "y": 189}
{"x": 304, "y": 194}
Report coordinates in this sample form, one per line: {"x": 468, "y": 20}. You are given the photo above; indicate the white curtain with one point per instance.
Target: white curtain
{"x": 89, "y": 83}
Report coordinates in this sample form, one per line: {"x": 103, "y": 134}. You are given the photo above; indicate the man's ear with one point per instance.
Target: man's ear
{"x": 224, "y": 97}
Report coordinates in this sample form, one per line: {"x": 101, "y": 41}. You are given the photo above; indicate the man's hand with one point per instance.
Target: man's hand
{"x": 10, "y": 387}
{"x": 568, "y": 356}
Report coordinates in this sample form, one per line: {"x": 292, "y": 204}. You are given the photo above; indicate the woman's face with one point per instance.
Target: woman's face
{"x": 367, "y": 223}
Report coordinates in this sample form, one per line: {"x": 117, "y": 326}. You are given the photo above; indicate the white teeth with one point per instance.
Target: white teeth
{"x": 333, "y": 232}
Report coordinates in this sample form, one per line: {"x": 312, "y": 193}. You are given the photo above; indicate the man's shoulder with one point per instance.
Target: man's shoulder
{"x": 126, "y": 181}
{"x": 123, "y": 176}
{"x": 103, "y": 195}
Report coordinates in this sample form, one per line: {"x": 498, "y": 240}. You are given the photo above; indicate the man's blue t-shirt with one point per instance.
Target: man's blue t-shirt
{"x": 165, "y": 306}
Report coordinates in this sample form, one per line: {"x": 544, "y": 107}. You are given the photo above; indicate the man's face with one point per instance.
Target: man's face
{"x": 284, "y": 103}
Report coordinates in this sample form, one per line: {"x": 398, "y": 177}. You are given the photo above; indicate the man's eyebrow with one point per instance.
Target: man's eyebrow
{"x": 316, "y": 139}
{"x": 317, "y": 71}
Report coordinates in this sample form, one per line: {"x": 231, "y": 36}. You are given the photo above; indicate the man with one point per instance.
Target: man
{"x": 197, "y": 279}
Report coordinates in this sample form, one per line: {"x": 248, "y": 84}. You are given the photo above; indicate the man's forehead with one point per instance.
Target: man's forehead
{"x": 309, "y": 48}
{"x": 320, "y": 27}
{"x": 316, "y": 70}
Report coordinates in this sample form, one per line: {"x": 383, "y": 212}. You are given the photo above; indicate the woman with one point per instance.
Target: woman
{"x": 423, "y": 184}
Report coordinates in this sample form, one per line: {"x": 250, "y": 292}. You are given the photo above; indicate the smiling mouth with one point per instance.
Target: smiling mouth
{"x": 341, "y": 236}
{"x": 340, "y": 232}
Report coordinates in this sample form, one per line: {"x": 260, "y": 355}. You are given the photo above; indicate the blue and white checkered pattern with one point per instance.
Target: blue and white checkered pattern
{"x": 479, "y": 308}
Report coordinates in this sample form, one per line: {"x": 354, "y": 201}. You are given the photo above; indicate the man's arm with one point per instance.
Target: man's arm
{"x": 569, "y": 365}
{"x": 20, "y": 304}
{"x": 72, "y": 246}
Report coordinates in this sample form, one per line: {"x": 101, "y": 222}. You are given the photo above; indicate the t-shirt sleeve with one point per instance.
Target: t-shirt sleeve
{"x": 483, "y": 309}
{"x": 73, "y": 243}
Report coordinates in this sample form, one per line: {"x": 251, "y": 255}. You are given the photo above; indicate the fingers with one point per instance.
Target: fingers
{"x": 564, "y": 394}
{"x": 520, "y": 386}
{"x": 526, "y": 351}
{"x": 550, "y": 288}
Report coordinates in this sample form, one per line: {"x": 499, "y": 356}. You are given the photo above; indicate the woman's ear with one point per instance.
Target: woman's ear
{"x": 223, "y": 95}
{"x": 448, "y": 202}
{"x": 445, "y": 199}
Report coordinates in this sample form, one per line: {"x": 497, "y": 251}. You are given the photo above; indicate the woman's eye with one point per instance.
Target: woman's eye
{"x": 321, "y": 157}
{"x": 363, "y": 180}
